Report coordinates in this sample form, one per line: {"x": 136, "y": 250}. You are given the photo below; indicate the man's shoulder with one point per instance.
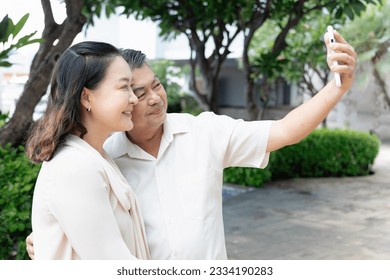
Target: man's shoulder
{"x": 205, "y": 122}
{"x": 180, "y": 117}
{"x": 184, "y": 122}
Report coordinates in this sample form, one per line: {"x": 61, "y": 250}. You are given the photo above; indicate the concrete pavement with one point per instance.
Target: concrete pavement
{"x": 312, "y": 219}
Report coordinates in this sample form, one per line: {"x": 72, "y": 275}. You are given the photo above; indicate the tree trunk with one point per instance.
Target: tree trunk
{"x": 253, "y": 109}
{"x": 214, "y": 101}
{"x": 199, "y": 95}
{"x": 56, "y": 39}
{"x": 380, "y": 81}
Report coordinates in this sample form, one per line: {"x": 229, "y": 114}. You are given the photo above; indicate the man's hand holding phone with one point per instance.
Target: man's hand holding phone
{"x": 332, "y": 40}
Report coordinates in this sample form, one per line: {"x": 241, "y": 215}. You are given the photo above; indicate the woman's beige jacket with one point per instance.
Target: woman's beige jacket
{"x": 83, "y": 208}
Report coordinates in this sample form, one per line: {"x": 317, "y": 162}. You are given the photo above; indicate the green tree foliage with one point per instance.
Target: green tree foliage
{"x": 171, "y": 77}
{"x": 217, "y": 23}
{"x": 166, "y": 71}
{"x": 305, "y": 50}
{"x": 9, "y": 40}
{"x": 370, "y": 36}
{"x": 302, "y": 62}
{"x": 3, "y": 119}
{"x": 370, "y": 30}
{"x": 212, "y": 22}
{"x": 17, "y": 180}
{"x": 56, "y": 37}
{"x": 206, "y": 22}
{"x": 303, "y": 58}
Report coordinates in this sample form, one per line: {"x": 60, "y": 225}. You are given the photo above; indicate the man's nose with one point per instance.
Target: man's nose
{"x": 154, "y": 98}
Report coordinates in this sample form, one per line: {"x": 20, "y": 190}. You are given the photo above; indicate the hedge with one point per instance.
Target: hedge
{"x": 246, "y": 176}
{"x": 324, "y": 153}
{"x": 17, "y": 180}
{"x": 327, "y": 153}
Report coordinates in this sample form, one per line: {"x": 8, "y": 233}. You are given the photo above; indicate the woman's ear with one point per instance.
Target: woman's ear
{"x": 85, "y": 99}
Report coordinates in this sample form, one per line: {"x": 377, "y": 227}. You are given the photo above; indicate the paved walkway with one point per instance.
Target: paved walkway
{"x": 300, "y": 219}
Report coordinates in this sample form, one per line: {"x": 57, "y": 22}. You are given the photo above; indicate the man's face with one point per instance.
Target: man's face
{"x": 150, "y": 112}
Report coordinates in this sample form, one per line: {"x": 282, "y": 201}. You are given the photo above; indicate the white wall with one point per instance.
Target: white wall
{"x": 362, "y": 108}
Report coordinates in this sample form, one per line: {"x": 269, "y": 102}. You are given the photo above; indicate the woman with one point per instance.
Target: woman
{"x": 81, "y": 199}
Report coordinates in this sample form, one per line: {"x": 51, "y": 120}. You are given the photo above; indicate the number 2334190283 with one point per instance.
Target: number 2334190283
{"x": 244, "y": 270}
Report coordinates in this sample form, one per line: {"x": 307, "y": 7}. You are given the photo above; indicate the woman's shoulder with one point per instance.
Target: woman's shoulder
{"x": 69, "y": 159}
{"x": 70, "y": 168}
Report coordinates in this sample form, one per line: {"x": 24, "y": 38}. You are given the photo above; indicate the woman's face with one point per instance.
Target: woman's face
{"x": 112, "y": 102}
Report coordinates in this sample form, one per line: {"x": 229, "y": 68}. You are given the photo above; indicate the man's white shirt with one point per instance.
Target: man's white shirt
{"x": 180, "y": 191}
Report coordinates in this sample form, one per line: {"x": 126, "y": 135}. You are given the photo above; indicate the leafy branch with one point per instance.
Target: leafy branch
{"x": 8, "y": 42}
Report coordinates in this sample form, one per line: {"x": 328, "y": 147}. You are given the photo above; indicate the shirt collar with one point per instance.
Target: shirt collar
{"x": 118, "y": 144}
{"x": 175, "y": 123}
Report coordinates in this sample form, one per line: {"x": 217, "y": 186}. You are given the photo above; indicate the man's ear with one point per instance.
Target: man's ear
{"x": 84, "y": 99}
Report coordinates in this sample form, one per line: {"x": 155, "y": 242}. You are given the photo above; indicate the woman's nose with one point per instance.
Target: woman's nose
{"x": 133, "y": 98}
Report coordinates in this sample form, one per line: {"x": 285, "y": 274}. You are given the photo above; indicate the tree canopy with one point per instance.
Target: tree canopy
{"x": 215, "y": 22}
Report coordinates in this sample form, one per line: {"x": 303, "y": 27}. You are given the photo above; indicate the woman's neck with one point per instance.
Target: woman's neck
{"x": 95, "y": 140}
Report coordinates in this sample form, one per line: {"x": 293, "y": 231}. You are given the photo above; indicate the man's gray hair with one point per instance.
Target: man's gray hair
{"x": 135, "y": 59}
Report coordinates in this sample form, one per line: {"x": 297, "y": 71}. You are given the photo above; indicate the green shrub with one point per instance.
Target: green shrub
{"x": 17, "y": 180}
{"x": 3, "y": 119}
{"x": 326, "y": 152}
{"x": 246, "y": 176}
{"x": 190, "y": 105}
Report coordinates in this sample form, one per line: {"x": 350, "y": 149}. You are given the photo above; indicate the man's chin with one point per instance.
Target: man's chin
{"x": 160, "y": 119}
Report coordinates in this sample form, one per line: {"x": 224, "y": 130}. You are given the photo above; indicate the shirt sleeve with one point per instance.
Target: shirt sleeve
{"x": 79, "y": 200}
{"x": 247, "y": 143}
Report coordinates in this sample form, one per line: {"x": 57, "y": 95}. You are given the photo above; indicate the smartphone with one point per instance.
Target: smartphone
{"x": 332, "y": 41}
